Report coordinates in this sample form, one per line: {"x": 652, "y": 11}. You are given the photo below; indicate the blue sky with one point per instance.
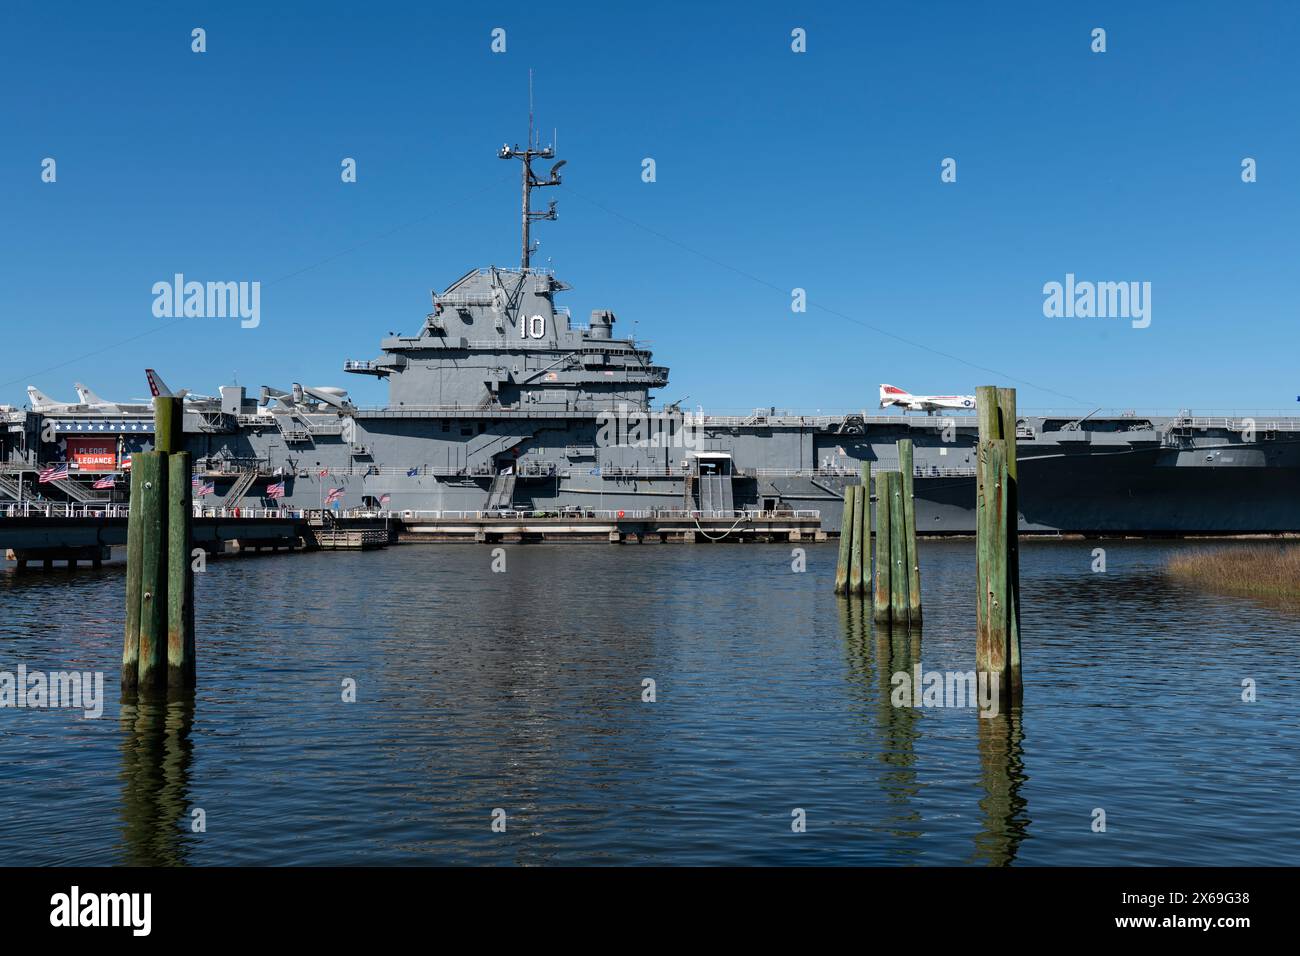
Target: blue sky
{"x": 775, "y": 170}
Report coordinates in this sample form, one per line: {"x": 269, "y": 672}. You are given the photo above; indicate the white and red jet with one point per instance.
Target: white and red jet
{"x": 890, "y": 395}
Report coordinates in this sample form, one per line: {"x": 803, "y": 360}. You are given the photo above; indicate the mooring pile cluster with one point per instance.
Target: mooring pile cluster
{"x": 158, "y": 650}
{"x": 897, "y": 591}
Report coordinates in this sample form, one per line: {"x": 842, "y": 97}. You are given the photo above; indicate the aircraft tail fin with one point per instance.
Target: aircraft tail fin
{"x": 39, "y": 399}
{"x": 87, "y": 396}
{"x": 890, "y": 394}
{"x": 158, "y": 388}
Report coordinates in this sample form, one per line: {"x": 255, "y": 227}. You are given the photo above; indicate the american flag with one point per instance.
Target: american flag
{"x": 196, "y": 482}
{"x": 276, "y": 490}
{"x": 384, "y": 499}
{"x": 126, "y": 463}
{"x": 108, "y": 481}
{"x": 335, "y": 494}
{"x": 53, "y": 473}
{"x": 201, "y": 490}
{"x": 324, "y": 473}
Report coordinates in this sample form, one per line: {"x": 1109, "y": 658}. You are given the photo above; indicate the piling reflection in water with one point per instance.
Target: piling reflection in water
{"x": 876, "y": 652}
{"x": 156, "y": 755}
{"x": 1002, "y": 773}
{"x": 897, "y": 648}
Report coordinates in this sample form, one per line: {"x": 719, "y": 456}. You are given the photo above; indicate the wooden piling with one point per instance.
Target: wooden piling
{"x": 150, "y": 469}
{"x": 1007, "y": 420}
{"x": 997, "y": 532}
{"x": 905, "y": 467}
{"x": 180, "y": 576}
{"x": 168, "y": 424}
{"x": 855, "y": 558}
{"x": 991, "y": 561}
{"x": 897, "y": 552}
{"x": 883, "y": 548}
{"x": 134, "y": 553}
{"x": 864, "y": 524}
{"x": 846, "y": 542}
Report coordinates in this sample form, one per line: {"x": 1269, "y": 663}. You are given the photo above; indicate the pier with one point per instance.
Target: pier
{"x": 616, "y": 527}
{"x": 72, "y": 533}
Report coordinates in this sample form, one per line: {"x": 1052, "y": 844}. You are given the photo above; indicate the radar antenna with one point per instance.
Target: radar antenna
{"x": 530, "y": 151}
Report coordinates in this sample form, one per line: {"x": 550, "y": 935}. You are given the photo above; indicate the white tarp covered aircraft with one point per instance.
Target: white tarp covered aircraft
{"x": 93, "y": 402}
{"x": 41, "y": 402}
{"x": 89, "y": 402}
{"x": 891, "y": 395}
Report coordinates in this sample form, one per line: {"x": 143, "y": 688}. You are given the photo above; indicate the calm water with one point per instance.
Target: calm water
{"x": 522, "y": 691}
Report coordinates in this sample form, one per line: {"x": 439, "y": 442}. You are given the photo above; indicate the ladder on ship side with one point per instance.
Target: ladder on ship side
{"x": 9, "y": 487}
{"x": 240, "y": 487}
{"x": 502, "y": 492}
{"x": 76, "y": 491}
{"x": 714, "y": 493}
{"x": 293, "y": 428}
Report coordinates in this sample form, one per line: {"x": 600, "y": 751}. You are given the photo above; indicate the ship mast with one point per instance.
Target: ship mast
{"x": 530, "y": 151}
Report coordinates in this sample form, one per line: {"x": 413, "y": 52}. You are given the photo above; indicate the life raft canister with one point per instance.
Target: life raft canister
{"x": 620, "y": 514}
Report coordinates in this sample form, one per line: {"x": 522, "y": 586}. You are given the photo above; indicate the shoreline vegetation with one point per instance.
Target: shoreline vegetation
{"x": 1269, "y": 571}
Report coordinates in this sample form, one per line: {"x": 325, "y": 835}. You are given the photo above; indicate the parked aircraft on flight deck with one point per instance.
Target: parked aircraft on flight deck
{"x": 891, "y": 395}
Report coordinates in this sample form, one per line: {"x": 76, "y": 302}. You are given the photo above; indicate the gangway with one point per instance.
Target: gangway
{"x": 240, "y": 487}
{"x": 502, "y": 492}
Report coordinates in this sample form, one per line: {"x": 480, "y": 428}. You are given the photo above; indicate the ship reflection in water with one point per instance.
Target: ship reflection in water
{"x": 524, "y": 691}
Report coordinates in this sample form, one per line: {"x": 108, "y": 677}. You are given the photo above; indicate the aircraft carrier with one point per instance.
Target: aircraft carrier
{"x": 502, "y": 401}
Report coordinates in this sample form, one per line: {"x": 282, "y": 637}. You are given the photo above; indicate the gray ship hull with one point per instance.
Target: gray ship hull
{"x": 1179, "y": 476}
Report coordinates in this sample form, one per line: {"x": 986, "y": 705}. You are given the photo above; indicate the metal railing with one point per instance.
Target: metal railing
{"x": 278, "y": 513}
{"x": 233, "y": 466}
{"x": 1239, "y": 424}
{"x": 77, "y": 509}
{"x": 934, "y": 471}
{"x": 62, "y": 509}
{"x": 53, "y": 509}
{"x": 602, "y": 514}
{"x": 831, "y": 471}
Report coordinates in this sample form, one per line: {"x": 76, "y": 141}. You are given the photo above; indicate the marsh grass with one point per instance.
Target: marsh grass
{"x": 1260, "y": 570}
